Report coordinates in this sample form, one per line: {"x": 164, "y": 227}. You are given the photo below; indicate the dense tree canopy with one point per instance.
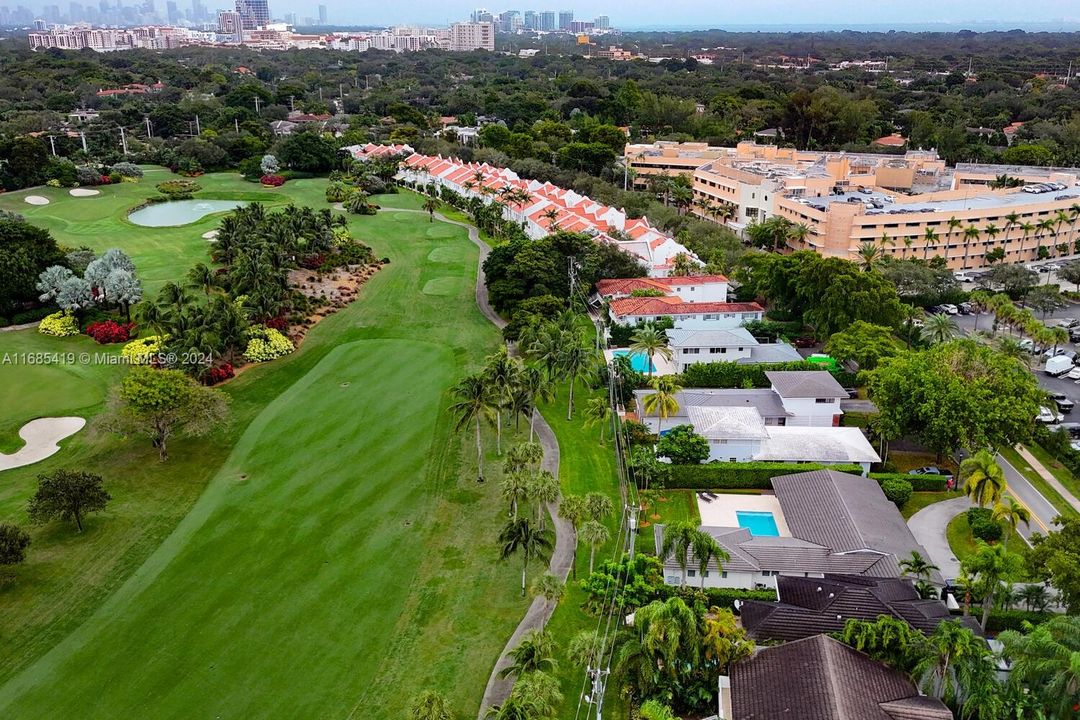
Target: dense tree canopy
{"x": 25, "y": 251}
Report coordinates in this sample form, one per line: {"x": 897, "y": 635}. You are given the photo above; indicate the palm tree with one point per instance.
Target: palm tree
{"x": 908, "y": 241}
{"x": 661, "y": 401}
{"x": 1011, "y": 221}
{"x": 577, "y": 362}
{"x": 1012, "y": 513}
{"x": 431, "y": 204}
{"x": 982, "y": 479}
{"x": 705, "y": 549}
{"x": 1025, "y": 230}
{"x": 538, "y": 388}
{"x": 598, "y": 410}
{"x": 552, "y": 216}
{"x": 500, "y": 371}
{"x": 519, "y": 536}
{"x": 992, "y": 231}
{"x": 971, "y": 234}
{"x": 548, "y": 586}
{"x": 649, "y": 341}
{"x": 918, "y": 567}
{"x": 679, "y": 539}
{"x": 797, "y": 234}
{"x": 869, "y": 256}
{"x": 1046, "y": 660}
{"x": 954, "y": 223}
{"x": 939, "y": 328}
{"x": 572, "y": 509}
{"x": 1045, "y": 227}
{"x": 952, "y": 662}
{"x": 474, "y": 403}
{"x": 929, "y": 238}
{"x": 1035, "y": 597}
{"x": 201, "y": 277}
{"x": 533, "y": 654}
{"x": 598, "y": 506}
{"x": 514, "y": 488}
{"x": 988, "y": 567}
{"x": 594, "y": 533}
{"x": 543, "y": 489}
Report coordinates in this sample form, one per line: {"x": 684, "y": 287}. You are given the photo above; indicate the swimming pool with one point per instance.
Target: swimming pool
{"x": 638, "y": 361}
{"x": 760, "y": 524}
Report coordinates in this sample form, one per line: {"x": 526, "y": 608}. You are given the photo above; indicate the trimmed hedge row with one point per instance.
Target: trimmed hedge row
{"x": 719, "y": 476}
{"x": 1014, "y": 619}
{"x": 919, "y": 483}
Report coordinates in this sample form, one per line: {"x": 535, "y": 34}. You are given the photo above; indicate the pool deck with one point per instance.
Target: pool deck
{"x": 721, "y": 511}
{"x": 663, "y": 367}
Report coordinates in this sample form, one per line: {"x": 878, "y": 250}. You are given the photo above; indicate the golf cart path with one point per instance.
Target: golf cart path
{"x": 42, "y": 439}
{"x": 498, "y": 689}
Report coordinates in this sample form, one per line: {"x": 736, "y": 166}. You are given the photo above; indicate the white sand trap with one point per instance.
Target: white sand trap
{"x": 42, "y": 438}
{"x": 36, "y": 200}
{"x": 83, "y": 192}
{"x": 211, "y": 235}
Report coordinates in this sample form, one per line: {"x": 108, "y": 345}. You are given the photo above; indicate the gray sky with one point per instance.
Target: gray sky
{"x": 706, "y": 13}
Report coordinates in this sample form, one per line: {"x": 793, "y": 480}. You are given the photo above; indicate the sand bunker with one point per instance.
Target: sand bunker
{"x": 42, "y": 438}
{"x": 211, "y": 235}
{"x": 36, "y": 200}
{"x": 83, "y": 192}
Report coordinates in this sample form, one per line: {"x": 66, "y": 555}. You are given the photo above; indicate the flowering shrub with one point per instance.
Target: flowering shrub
{"x": 266, "y": 344}
{"x": 314, "y": 261}
{"x": 278, "y": 323}
{"x": 144, "y": 350}
{"x": 272, "y": 180}
{"x": 53, "y": 182}
{"x": 177, "y": 189}
{"x": 218, "y": 373}
{"x": 105, "y": 180}
{"x": 110, "y": 331}
{"x": 59, "y": 324}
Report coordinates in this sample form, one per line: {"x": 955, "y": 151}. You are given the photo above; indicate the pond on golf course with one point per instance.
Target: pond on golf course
{"x": 180, "y": 212}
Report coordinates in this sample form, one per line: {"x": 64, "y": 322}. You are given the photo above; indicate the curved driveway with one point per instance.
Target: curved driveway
{"x": 928, "y": 526}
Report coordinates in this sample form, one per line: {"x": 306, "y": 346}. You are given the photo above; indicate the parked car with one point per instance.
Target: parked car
{"x": 1027, "y": 345}
{"x": 1048, "y": 416}
{"x": 965, "y": 308}
{"x": 927, "y": 470}
{"x": 950, "y": 309}
{"x": 1058, "y": 366}
{"x": 1054, "y": 352}
{"x": 1073, "y": 374}
{"x": 1064, "y": 404}
{"x": 1072, "y": 428}
{"x": 804, "y": 342}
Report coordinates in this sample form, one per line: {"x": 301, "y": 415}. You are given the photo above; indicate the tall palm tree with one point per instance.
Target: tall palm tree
{"x": 201, "y": 277}
{"x": 971, "y": 234}
{"x": 543, "y": 488}
{"x": 1045, "y": 227}
{"x": 431, "y": 205}
{"x": 1025, "y": 230}
{"x": 929, "y": 238}
{"x": 501, "y": 372}
{"x": 1046, "y": 660}
{"x": 869, "y": 256}
{"x": 598, "y": 410}
{"x": 706, "y": 549}
{"x": 598, "y": 505}
{"x": 797, "y": 234}
{"x": 1012, "y": 513}
{"x": 538, "y": 388}
{"x": 1060, "y": 219}
{"x": 594, "y": 534}
{"x": 535, "y": 653}
{"x": 1074, "y": 217}
{"x": 572, "y": 509}
{"x": 548, "y": 586}
{"x": 954, "y": 224}
{"x": 519, "y": 536}
{"x": 679, "y": 540}
{"x": 952, "y": 663}
{"x": 552, "y": 216}
{"x": 918, "y": 567}
{"x": 939, "y": 328}
{"x": 474, "y": 403}
{"x": 1011, "y": 221}
{"x": 650, "y": 341}
{"x": 577, "y": 362}
{"x": 987, "y": 568}
{"x": 515, "y": 489}
{"x": 661, "y": 401}
{"x": 909, "y": 241}
{"x": 982, "y": 479}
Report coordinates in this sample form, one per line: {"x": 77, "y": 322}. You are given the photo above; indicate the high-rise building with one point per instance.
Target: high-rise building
{"x": 549, "y": 20}
{"x": 531, "y": 20}
{"x": 40, "y": 25}
{"x": 566, "y": 18}
{"x": 254, "y": 13}
{"x": 172, "y": 12}
{"x": 602, "y": 22}
{"x": 472, "y": 36}
{"x": 230, "y": 23}
{"x": 506, "y": 20}
{"x": 322, "y": 14}
{"x": 481, "y": 15}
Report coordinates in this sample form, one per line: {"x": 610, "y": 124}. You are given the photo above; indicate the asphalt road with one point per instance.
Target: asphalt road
{"x": 1042, "y": 512}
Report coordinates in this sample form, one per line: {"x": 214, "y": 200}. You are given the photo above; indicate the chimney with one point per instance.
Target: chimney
{"x": 723, "y": 698}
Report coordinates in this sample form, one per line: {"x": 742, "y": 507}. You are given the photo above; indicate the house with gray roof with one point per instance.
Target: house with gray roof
{"x": 819, "y": 678}
{"x": 730, "y": 345}
{"x": 810, "y": 606}
{"x": 828, "y": 523}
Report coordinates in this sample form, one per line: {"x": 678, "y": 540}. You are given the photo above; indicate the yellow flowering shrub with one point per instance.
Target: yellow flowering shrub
{"x": 266, "y": 344}
{"x": 59, "y": 324}
{"x": 143, "y": 350}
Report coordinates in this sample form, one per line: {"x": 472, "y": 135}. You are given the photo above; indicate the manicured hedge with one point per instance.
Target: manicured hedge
{"x": 719, "y": 476}
{"x": 720, "y": 597}
{"x": 919, "y": 483}
{"x": 1014, "y": 619}
{"x": 734, "y": 375}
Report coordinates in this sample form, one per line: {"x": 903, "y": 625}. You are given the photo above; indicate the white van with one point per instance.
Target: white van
{"x": 1058, "y": 365}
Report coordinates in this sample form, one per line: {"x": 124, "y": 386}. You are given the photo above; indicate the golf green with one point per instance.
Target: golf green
{"x": 328, "y": 555}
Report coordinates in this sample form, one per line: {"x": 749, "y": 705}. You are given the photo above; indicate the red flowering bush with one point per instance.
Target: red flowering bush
{"x": 272, "y": 180}
{"x": 218, "y": 373}
{"x": 105, "y": 180}
{"x": 110, "y": 331}
{"x": 279, "y": 323}
{"x": 314, "y": 261}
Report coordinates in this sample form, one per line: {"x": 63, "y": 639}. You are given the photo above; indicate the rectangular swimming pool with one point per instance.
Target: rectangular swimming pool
{"x": 760, "y": 524}
{"x": 638, "y": 361}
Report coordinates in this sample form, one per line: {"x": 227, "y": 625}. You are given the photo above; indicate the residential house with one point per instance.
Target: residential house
{"x": 820, "y": 678}
{"x": 685, "y": 315}
{"x": 809, "y": 606}
{"x": 827, "y": 523}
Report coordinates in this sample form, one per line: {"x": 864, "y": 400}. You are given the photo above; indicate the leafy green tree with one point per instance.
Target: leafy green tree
{"x": 888, "y": 639}
{"x": 683, "y": 446}
{"x": 958, "y": 394}
{"x": 982, "y": 478}
{"x": 988, "y": 568}
{"x": 25, "y": 251}
{"x": 1056, "y": 557}
{"x": 430, "y": 705}
{"x": 1046, "y": 661}
{"x": 863, "y": 344}
{"x": 519, "y": 536}
{"x": 67, "y": 495}
{"x": 307, "y": 152}
{"x": 160, "y": 403}
{"x": 13, "y": 543}
{"x": 724, "y": 640}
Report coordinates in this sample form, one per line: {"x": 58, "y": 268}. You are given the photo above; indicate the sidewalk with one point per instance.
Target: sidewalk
{"x": 1048, "y": 477}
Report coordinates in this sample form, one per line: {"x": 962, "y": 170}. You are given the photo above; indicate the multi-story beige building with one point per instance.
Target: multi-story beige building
{"x": 911, "y": 205}
{"x": 465, "y": 36}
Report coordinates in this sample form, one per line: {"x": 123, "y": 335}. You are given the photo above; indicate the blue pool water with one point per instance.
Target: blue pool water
{"x": 638, "y": 361}
{"x": 760, "y": 524}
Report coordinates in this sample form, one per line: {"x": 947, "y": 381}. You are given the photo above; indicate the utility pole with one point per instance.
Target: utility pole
{"x": 571, "y": 270}
{"x": 148, "y": 133}
{"x": 320, "y": 93}
{"x": 236, "y": 124}
{"x": 82, "y": 134}
{"x": 198, "y": 128}
{"x": 52, "y": 144}
{"x": 257, "y": 111}
{"x": 123, "y": 140}
{"x": 292, "y": 103}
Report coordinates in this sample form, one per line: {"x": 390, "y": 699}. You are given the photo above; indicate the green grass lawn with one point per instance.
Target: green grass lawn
{"x": 1059, "y": 471}
{"x": 675, "y": 506}
{"x": 963, "y": 544}
{"x": 328, "y": 555}
{"x": 919, "y": 500}
{"x": 1052, "y": 495}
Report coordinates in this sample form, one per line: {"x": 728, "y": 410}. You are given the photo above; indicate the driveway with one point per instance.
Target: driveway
{"x": 928, "y": 526}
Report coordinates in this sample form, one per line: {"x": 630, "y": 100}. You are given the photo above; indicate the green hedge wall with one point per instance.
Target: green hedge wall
{"x": 720, "y": 476}
{"x": 1013, "y": 619}
{"x": 919, "y": 483}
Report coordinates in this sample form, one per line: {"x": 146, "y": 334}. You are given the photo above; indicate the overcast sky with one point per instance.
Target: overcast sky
{"x": 709, "y": 13}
